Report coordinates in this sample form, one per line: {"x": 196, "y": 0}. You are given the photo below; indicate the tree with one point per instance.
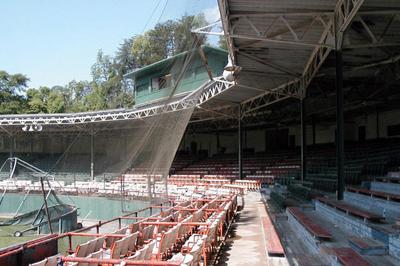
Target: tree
{"x": 222, "y": 43}
{"x": 166, "y": 39}
{"x": 183, "y": 37}
{"x": 12, "y": 88}
{"x": 37, "y": 100}
{"x": 125, "y": 62}
{"x": 56, "y": 102}
{"x": 77, "y": 91}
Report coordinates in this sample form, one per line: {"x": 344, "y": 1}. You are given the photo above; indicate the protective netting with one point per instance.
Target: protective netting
{"x": 120, "y": 159}
{"x": 131, "y": 157}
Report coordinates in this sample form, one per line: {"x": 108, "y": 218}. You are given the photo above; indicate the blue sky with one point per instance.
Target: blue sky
{"x": 54, "y": 41}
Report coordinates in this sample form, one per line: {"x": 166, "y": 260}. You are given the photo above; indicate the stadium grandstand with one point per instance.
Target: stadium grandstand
{"x": 283, "y": 149}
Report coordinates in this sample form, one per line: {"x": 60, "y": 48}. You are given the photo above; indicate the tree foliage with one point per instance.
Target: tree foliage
{"x": 107, "y": 89}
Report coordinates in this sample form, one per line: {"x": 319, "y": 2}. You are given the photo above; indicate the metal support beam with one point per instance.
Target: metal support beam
{"x": 45, "y": 205}
{"x": 303, "y": 140}
{"x": 240, "y": 143}
{"x": 11, "y": 155}
{"x": 92, "y": 155}
{"x": 313, "y": 131}
{"x": 339, "y": 124}
{"x": 377, "y": 124}
{"x": 207, "y": 91}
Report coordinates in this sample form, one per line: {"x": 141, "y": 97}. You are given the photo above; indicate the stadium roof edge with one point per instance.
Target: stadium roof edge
{"x": 165, "y": 62}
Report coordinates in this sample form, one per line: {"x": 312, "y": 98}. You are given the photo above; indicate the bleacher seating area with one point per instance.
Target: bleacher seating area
{"x": 361, "y": 229}
{"x": 187, "y": 234}
{"x": 363, "y": 161}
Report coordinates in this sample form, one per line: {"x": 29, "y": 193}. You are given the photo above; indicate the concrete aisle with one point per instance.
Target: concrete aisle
{"x": 246, "y": 246}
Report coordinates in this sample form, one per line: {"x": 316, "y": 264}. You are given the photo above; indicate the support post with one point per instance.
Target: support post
{"x": 303, "y": 140}
{"x": 46, "y": 207}
{"x": 240, "y": 143}
{"x": 377, "y": 124}
{"x": 339, "y": 124}
{"x": 218, "y": 142}
{"x": 92, "y": 155}
{"x": 313, "y": 131}
{"x": 11, "y": 155}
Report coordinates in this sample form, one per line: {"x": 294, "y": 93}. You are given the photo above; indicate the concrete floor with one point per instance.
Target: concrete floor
{"x": 246, "y": 244}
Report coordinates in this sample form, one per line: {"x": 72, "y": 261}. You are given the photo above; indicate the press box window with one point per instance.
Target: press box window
{"x": 160, "y": 83}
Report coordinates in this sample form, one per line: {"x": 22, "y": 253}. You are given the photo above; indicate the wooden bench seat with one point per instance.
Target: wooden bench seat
{"x": 347, "y": 257}
{"x": 388, "y": 179}
{"x": 377, "y": 194}
{"x": 315, "y": 229}
{"x": 348, "y": 209}
{"x": 274, "y": 245}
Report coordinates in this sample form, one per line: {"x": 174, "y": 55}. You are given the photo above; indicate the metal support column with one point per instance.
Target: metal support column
{"x": 313, "y": 131}
{"x": 11, "y": 155}
{"x": 218, "y": 142}
{"x": 92, "y": 155}
{"x": 303, "y": 139}
{"x": 377, "y": 125}
{"x": 339, "y": 124}
{"x": 240, "y": 143}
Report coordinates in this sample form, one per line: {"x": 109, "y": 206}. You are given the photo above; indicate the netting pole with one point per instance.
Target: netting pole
{"x": 240, "y": 143}
{"x": 149, "y": 186}
{"x": 92, "y": 155}
{"x": 303, "y": 139}
{"x": 166, "y": 186}
{"x": 11, "y": 154}
{"x": 46, "y": 207}
{"x": 339, "y": 119}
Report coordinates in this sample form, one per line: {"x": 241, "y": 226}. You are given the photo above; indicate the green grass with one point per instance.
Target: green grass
{"x": 7, "y": 238}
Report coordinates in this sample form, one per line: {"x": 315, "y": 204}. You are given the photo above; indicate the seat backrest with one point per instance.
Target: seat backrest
{"x": 122, "y": 231}
{"x": 91, "y": 246}
{"x": 81, "y": 250}
{"x": 165, "y": 242}
{"x": 132, "y": 241}
{"x": 95, "y": 255}
{"x": 134, "y": 227}
{"x": 150, "y": 249}
{"x": 125, "y": 245}
{"x": 39, "y": 263}
{"x": 148, "y": 232}
{"x": 99, "y": 243}
{"x": 135, "y": 256}
{"x": 143, "y": 252}
{"x": 211, "y": 235}
{"x": 196, "y": 252}
{"x": 116, "y": 249}
{"x": 52, "y": 261}
{"x": 174, "y": 236}
{"x": 187, "y": 260}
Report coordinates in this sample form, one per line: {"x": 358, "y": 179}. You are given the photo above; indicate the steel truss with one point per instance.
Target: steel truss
{"x": 332, "y": 26}
{"x": 208, "y": 91}
{"x": 333, "y": 29}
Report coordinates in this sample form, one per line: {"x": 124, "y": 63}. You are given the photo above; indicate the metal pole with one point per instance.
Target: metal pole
{"x": 339, "y": 124}
{"x": 218, "y": 143}
{"x": 303, "y": 140}
{"x": 46, "y": 207}
{"x": 377, "y": 124}
{"x": 92, "y": 155}
{"x": 11, "y": 154}
{"x": 313, "y": 131}
{"x": 240, "y": 143}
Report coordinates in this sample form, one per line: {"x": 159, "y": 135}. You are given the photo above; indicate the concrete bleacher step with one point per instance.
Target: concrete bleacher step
{"x": 385, "y": 204}
{"x": 346, "y": 256}
{"x": 394, "y": 174}
{"x": 311, "y": 233}
{"x": 368, "y": 246}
